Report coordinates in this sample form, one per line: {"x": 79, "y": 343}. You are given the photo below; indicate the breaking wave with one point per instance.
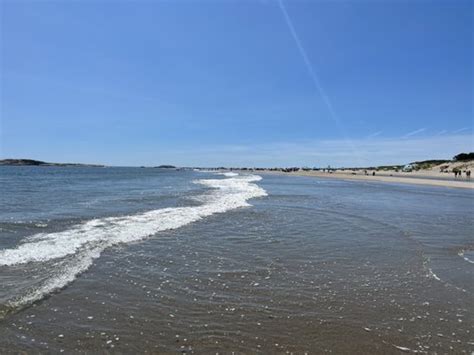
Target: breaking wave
{"x": 75, "y": 249}
{"x": 462, "y": 254}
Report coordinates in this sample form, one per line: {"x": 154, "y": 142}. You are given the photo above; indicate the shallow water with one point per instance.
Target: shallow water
{"x": 130, "y": 259}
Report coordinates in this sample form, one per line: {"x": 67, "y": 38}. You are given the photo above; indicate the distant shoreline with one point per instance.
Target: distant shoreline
{"x": 430, "y": 173}
{"x": 31, "y": 162}
{"x": 418, "y": 180}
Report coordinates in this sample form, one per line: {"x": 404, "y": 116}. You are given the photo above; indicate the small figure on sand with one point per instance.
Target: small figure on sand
{"x": 468, "y": 174}
{"x": 373, "y": 173}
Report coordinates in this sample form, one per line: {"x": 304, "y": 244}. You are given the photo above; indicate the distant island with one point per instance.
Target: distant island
{"x": 165, "y": 167}
{"x": 31, "y": 162}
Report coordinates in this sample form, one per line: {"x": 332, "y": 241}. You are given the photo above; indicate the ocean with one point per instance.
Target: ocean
{"x": 159, "y": 260}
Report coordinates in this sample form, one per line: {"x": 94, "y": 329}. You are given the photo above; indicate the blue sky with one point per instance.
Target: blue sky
{"x": 256, "y": 83}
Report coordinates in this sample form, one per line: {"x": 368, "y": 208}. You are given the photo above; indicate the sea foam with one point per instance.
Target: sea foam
{"x": 462, "y": 254}
{"x": 77, "y": 247}
{"x": 229, "y": 174}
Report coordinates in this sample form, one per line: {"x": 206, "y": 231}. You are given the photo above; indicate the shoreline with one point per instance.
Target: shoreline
{"x": 419, "y": 180}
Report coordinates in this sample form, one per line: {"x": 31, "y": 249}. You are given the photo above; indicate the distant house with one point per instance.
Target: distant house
{"x": 410, "y": 167}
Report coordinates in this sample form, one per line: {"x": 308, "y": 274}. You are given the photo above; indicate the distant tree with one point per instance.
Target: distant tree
{"x": 464, "y": 156}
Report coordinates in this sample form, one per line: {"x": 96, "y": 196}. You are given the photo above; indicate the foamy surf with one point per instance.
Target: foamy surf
{"x": 462, "y": 254}
{"x": 76, "y": 248}
{"x": 229, "y": 174}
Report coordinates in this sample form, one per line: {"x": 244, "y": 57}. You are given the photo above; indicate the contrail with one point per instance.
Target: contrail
{"x": 307, "y": 62}
{"x": 314, "y": 77}
{"x": 461, "y": 130}
{"x": 414, "y": 132}
{"x": 375, "y": 134}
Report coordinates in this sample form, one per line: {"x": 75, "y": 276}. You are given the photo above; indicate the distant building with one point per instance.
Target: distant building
{"x": 409, "y": 167}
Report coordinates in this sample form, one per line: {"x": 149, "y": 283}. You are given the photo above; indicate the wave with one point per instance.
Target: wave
{"x": 76, "y": 248}
{"x": 462, "y": 254}
{"x": 229, "y": 174}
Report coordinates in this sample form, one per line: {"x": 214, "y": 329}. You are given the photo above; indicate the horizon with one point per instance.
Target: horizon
{"x": 237, "y": 167}
{"x": 263, "y": 83}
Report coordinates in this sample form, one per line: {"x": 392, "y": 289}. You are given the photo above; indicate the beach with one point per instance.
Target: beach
{"x": 164, "y": 261}
{"x": 236, "y": 177}
{"x": 421, "y": 178}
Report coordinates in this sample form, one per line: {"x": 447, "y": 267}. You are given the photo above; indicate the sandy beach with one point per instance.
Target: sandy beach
{"x": 435, "y": 175}
{"x": 402, "y": 178}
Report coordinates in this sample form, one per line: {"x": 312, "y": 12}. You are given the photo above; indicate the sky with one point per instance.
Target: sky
{"x": 236, "y": 83}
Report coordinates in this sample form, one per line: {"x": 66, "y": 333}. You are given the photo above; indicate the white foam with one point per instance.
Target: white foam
{"x": 229, "y": 174}
{"x": 462, "y": 255}
{"x": 407, "y": 350}
{"x": 433, "y": 275}
{"x": 402, "y": 348}
{"x": 83, "y": 243}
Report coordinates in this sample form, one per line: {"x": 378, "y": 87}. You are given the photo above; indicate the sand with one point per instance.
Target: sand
{"x": 431, "y": 179}
{"x": 437, "y": 175}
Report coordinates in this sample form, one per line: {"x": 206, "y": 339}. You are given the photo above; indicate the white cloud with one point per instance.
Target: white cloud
{"x": 321, "y": 153}
{"x": 414, "y": 132}
{"x": 461, "y": 130}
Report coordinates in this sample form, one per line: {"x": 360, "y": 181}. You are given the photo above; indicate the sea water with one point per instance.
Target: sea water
{"x": 162, "y": 260}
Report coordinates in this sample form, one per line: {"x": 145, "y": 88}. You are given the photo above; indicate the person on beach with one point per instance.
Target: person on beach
{"x": 468, "y": 174}
{"x": 373, "y": 173}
